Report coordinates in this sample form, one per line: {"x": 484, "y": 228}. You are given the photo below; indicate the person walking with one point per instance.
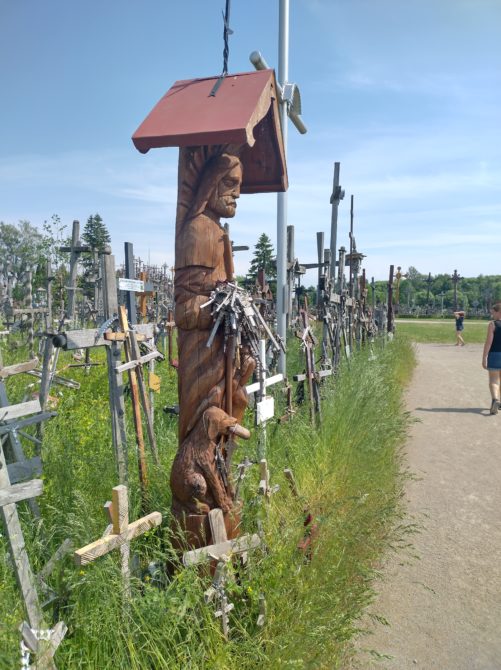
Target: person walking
{"x": 491, "y": 357}
{"x": 459, "y": 328}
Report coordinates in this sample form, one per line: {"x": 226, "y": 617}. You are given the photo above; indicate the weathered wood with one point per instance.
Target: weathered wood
{"x": 47, "y": 374}
{"x": 64, "y": 548}
{"x": 81, "y": 339}
{"x": 319, "y": 374}
{"x": 120, "y": 534}
{"x": 104, "y": 545}
{"x": 269, "y": 381}
{"x": 21, "y": 564}
{"x": 130, "y": 365}
{"x": 217, "y": 527}
{"x": 23, "y": 423}
{"x": 17, "y": 492}
{"x": 75, "y": 243}
{"x": 43, "y": 643}
{"x": 10, "y": 370}
{"x": 110, "y": 297}
{"x": 22, "y": 409}
{"x": 120, "y": 337}
{"x": 26, "y": 469}
{"x": 264, "y": 478}
{"x": 136, "y": 411}
{"x": 216, "y": 551}
{"x": 17, "y": 451}
{"x": 57, "y": 379}
{"x": 145, "y": 402}
{"x": 115, "y": 384}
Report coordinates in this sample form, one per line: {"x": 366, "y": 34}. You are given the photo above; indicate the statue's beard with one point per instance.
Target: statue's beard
{"x": 224, "y": 206}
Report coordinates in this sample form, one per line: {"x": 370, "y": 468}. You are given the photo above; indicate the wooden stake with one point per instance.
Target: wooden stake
{"x": 138, "y": 426}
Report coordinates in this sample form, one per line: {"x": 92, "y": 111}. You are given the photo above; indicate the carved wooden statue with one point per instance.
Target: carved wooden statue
{"x": 211, "y": 380}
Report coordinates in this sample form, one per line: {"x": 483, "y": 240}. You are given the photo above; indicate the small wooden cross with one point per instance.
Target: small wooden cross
{"x": 43, "y": 643}
{"x": 122, "y": 532}
{"x": 221, "y": 551}
{"x": 265, "y": 489}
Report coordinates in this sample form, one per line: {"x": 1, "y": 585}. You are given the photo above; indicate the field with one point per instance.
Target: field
{"x": 349, "y": 478}
{"x": 442, "y": 332}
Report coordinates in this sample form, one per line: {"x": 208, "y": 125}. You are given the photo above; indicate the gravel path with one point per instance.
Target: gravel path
{"x": 444, "y": 609}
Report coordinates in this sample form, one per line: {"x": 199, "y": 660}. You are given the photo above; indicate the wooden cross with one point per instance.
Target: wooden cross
{"x": 220, "y": 551}
{"x": 265, "y": 405}
{"x": 308, "y": 342}
{"x": 42, "y": 643}
{"x": 139, "y": 396}
{"x": 13, "y": 418}
{"x": 144, "y": 295}
{"x": 122, "y": 532}
{"x": 10, "y": 494}
{"x": 75, "y": 249}
{"x": 265, "y": 489}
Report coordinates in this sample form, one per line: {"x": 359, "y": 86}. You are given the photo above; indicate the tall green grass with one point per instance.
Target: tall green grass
{"x": 349, "y": 477}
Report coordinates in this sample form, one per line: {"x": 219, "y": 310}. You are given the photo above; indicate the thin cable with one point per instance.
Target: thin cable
{"x": 226, "y": 51}
{"x": 227, "y": 32}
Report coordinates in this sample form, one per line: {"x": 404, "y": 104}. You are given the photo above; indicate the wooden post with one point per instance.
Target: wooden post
{"x": 14, "y": 533}
{"x": 115, "y": 383}
{"x": 130, "y": 296}
{"x": 49, "y": 316}
{"x": 134, "y": 392}
{"x": 72, "y": 280}
{"x": 264, "y": 405}
{"x": 28, "y": 302}
{"x": 455, "y": 281}
{"x": 336, "y": 197}
{"x": 290, "y": 273}
{"x": 390, "y": 326}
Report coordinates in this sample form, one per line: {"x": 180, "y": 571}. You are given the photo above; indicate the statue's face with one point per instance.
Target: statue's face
{"x": 223, "y": 200}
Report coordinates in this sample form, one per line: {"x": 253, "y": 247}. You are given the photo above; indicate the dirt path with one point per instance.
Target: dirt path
{"x": 444, "y": 609}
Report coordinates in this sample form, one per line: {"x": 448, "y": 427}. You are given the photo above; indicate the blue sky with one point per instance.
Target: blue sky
{"x": 406, "y": 94}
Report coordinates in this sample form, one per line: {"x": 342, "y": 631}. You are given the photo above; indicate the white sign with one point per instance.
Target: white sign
{"x": 136, "y": 285}
{"x": 265, "y": 409}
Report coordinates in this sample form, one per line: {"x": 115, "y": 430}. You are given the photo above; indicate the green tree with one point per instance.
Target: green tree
{"x": 21, "y": 249}
{"x": 95, "y": 233}
{"x": 263, "y": 258}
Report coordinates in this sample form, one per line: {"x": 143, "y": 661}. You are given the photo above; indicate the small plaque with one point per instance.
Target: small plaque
{"x": 136, "y": 285}
{"x": 265, "y": 409}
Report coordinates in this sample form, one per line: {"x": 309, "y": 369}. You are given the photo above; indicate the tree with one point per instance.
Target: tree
{"x": 95, "y": 233}
{"x": 21, "y": 249}
{"x": 263, "y": 258}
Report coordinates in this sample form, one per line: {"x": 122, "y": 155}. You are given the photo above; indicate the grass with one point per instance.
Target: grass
{"x": 442, "y": 332}
{"x": 349, "y": 478}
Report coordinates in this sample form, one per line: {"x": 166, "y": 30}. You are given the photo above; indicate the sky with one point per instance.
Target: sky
{"x": 405, "y": 94}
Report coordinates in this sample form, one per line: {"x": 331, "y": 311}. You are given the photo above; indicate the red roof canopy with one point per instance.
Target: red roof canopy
{"x": 244, "y": 111}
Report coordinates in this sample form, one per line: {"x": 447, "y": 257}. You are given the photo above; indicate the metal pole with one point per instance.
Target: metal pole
{"x": 283, "y": 75}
